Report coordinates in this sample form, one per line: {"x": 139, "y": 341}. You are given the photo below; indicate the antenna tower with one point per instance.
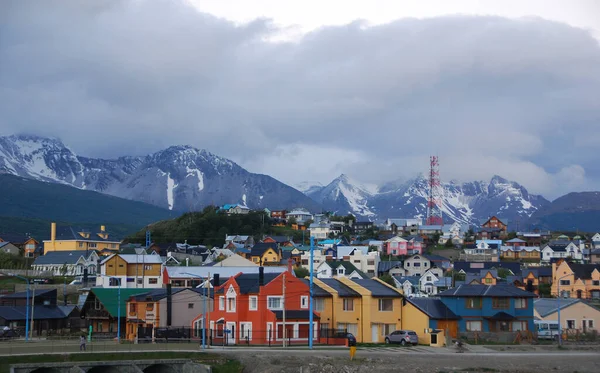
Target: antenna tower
{"x": 434, "y": 211}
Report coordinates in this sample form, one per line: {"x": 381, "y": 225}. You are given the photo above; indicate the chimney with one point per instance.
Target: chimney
{"x": 216, "y": 280}
{"x": 102, "y": 228}
{"x": 169, "y": 304}
{"x": 261, "y": 276}
{"x": 53, "y": 232}
{"x": 289, "y": 265}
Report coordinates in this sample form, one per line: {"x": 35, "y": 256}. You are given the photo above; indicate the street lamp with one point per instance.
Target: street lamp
{"x": 206, "y": 283}
{"x": 558, "y": 308}
{"x": 27, "y": 305}
{"x": 118, "y": 303}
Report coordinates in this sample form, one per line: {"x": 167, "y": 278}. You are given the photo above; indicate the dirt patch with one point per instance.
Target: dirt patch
{"x": 290, "y": 361}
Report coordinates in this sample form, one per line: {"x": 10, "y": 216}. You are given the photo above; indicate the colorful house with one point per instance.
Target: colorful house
{"x": 576, "y": 280}
{"x": 133, "y": 271}
{"x": 430, "y": 319}
{"x": 395, "y": 246}
{"x": 490, "y": 308}
{"x": 574, "y": 313}
{"x": 261, "y": 309}
{"x": 172, "y": 308}
{"x": 381, "y": 306}
{"x": 343, "y": 311}
{"x": 266, "y": 253}
{"x": 70, "y": 239}
{"x": 23, "y": 242}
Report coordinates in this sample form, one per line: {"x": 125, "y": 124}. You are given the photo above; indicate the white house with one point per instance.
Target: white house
{"x": 338, "y": 268}
{"x": 318, "y": 258}
{"x": 408, "y": 284}
{"x": 300, "y": 215}
{"x": 418, "y": 264}
{"x": 67, "y": 263}
{"x": 570, "y": 250}
{"x": 360, "y": 256}
{"x": 319, "y": 231}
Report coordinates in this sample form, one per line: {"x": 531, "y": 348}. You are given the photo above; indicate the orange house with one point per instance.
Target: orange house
{"x": 249, "y": 309}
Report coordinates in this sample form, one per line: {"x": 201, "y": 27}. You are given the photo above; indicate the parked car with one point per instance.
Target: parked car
{"x": 403, "y": 337}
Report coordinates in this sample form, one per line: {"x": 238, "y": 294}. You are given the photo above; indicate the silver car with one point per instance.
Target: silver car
{"x": 403, "y": 337}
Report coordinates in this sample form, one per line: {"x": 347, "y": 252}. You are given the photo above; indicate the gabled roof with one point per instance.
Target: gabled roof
{"x": 318, "y": 292}
{"x": 583, "y": 271}
{"x": 486, "y": 291}
{"x": 260, "y": 248}
{"x": 497, "y": 218}
{"x": 23, "y": 294}
{"x": 376, "y": 288}
{"x": 412, "y": 279}
{"x": 432, "y": 307}
{"x": 295, "y": 315}
{"x": 62, "y": 257}
{"x": 342, "y": 289}
{"x": 137, "y": 259}
{"x": 15, "y": 238}
{"x": 158, "y": 294}
{"x": 204, "y": 271}
{"x": 19, "y": 313}
{"x": 71, "y": 233}
{"x": 516, "y": 240}
{"x": 385, "y": 266}
{"x": 475, "y": 267}
{"x": 435, "y": 258}
{"x": 108, "y": 297}
{"x": 248, "y": 282}
{"x": 545, "y": 306}
{"x": 279, "y": 239}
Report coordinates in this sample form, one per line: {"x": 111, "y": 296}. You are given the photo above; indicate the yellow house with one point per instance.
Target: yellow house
{"x": 133, "y": 271}
{"x": 266, "y": 253}
{"x": 69, "y": 239}
{"x": 430, "y": 319}
{"x": 381, "y": 308}
{"x": 488, "y": 278}
{"x": 574, "y": 313}
{"x": 576, "y": 280}
{"x": 343, "y": 310}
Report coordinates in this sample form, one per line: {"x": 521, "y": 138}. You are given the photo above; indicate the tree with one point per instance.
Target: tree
{"x": 291, "y": 221}
{"x": 372, "y": 248}
{"x": 512, "y": 235}
{"x": 387, "y": 278}
{"x": 545, "y": 290}
{"x": 449, "y": 243}
{"x": 435, "y": 238}
{"x": 301, "y": 272}
{"x": 503, "y": 272}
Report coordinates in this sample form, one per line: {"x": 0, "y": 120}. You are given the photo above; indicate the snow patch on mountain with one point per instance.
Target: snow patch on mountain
{"x": 170, "y": 191}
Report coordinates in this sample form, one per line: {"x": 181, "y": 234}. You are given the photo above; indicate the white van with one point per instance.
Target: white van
{"x": 546, "y": 329}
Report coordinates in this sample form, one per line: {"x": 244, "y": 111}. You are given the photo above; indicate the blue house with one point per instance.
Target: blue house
{"x": 490, "y": 308}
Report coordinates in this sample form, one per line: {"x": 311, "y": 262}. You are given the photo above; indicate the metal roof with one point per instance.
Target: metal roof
{"x": 486, "y": 291}
{"x": 376, "y": 288}
{"x": 295, "y": 314}
{"x": 248, "y": 282}
{"x": 546, "y": 306}
{"x": 204, "y": 271}
{"x": 137, "y": 259}
{"x": 433, "y": 307}
{"x": 342, "y": 289}
{"x": 62, "y": 257}
{"x": 18, "y": 313}
{"x": 108, "y": 297}
{"x": 318, "y": 292}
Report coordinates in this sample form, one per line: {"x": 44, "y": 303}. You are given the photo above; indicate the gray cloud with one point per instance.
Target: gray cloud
{"x": 489, "y": 95}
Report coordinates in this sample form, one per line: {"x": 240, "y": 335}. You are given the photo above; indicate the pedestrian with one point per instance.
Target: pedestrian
{"x": 82, "y": 343}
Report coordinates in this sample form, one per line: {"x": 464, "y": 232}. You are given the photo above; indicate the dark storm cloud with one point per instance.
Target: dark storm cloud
{"x": 490, "y": 95}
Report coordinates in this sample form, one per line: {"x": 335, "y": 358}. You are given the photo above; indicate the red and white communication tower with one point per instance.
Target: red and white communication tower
{"x": 434, "y": 204}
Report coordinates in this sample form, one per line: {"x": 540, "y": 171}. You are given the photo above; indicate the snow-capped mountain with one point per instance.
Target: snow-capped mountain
{"x": 344, "y": 195}
{"x": 467, "y": 202}
{"x": 179, "y": 178}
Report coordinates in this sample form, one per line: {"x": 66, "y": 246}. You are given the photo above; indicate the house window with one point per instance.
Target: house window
{"x": 149, "y": 306}
{"x": 571, "y": 324}
{"x": 473, "y": 326}
{"x": 253, "y": 305}
{"x": 340, "y": 271}
{"x": 473, "y": 303}
{"x": 370, "y": 262}
{"x": 246, "y": 330}
{"x": 521, "y": 303}
{"x": 387, "y": 329}
{"x": 304, "y": 301}
{"x": 519, "y": 325}
{"x": 565, "y": 282}
{"x": 348, "y": 304}
{"x": 221, "y": 303}
{"x": 153, "y": 281}
{"x": 596, "y": 283}
{"x": 428, "y": 278}
{"x": 587, "y": 324}
{"x": 319, "y": 304}
{"x": 113, "y": 245}
{"x": 500, "y": 303}
{"x": 417, "y": 264}
{"x": 230, "y": 304}
{"x": 190, "y": 306}
{"x": 147, "y": 267}
{"x": 488, "y": 280}
{"x": 425, "y": 264}
{"x": 386, "y": 305}
{"x": 81, "y": 244}
{"x": 92, "y": 245}
{"x": 274, "y": 303}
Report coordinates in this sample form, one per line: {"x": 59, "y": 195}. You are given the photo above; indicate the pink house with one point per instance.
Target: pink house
{"x": 395, "y": 246}
{"x": 400, "y": 246}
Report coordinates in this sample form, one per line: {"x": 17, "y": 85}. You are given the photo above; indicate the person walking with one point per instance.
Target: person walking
{"x": 82, "y": 343}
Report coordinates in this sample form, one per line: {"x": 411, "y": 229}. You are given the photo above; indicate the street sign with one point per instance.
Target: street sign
{"x": 227, "y": 331}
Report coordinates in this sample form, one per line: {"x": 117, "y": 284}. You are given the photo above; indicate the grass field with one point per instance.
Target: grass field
{"x": 220, "y": 364}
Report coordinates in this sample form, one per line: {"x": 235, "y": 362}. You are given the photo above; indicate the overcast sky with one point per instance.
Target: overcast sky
{"x": 306, "y": 90}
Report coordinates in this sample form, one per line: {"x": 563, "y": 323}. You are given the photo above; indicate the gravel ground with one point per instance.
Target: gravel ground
{"x": 561, "y": 361}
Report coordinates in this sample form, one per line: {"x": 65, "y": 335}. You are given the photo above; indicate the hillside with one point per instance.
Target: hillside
{"x": 571, "y": 212}
{"x": 210, "y": 227}
{"x": 28, "y": 206}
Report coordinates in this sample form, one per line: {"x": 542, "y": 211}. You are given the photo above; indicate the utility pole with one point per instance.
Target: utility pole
{"x": 310, "y": 316}
{"x": 32, "y": 308}
{"x": 208, "y": 311}
{"x": 283, "y": 304}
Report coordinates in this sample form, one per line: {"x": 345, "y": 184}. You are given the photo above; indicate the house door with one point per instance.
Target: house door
{"x": 579, "y": 294}
{"x": 231, "y": 334}
{"x": 451, "y": 326}
{"x": 374, "y": 333}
